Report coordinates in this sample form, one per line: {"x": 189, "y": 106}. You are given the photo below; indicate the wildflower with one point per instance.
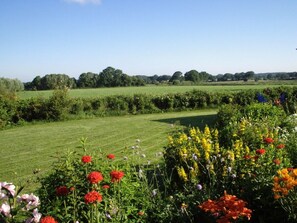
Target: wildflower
{"x": 137, "y": 140}
{"x": 95, "y": 177}
{"x": 62, "y": 191}
{"x": 277, "y": 161}
{"x": 110, "y": 156}
{"x": 108, "y": 216}
{"x": 199, "y": 187}
{"x": 229, "y": 169}
{"x": 143, "y": 155}
{"x": 36, "y": 217}
{"x": 226, "y": 208}
{"x": 261, "y": 98}
{"x": 194, "y": 156}
{"x": 268, "y": 140}
{"x": 5, "y": 210}
{"x": 280, "y": 146}
{"x": 116, "y": 175}
{"x": 9, "y": 187}
{"x": 105, "y": 186}
{"x": 48, "y": 219}
{"x": 86, "y": 159}
{"x": 93, "y": 197}
{"x": 247, "y": 157}
{"x": 125, "y": 158}
{"x": 183, "y": 207}
{"x": 182, "y": 173}
{"x": 31, "y": 200}
{"x": 233, "y": 175}
{"x": 154, "y": 192}
{"x": 260, "y": 151}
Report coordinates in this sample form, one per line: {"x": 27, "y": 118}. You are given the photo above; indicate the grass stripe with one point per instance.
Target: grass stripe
{"x": 26, "y": 148}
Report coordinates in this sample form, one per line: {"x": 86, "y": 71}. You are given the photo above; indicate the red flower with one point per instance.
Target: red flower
{"x": 110, "y": 156}
{"x": 277, "y": 161}
{"x": 93, "y": 197}
{"x": 247, "y": 157}
{"x": 106, "y": 186}
{"x": 62, "y": 191}
{"x": 48, "y": 219}
{"x": 268, "y": 140}
{"x": 116, "y": 175}
{"x": 95, "y": 177}
{"x": 260, "y": 151}
{"x": 280, "y": 146}
{"x": 86, "y": 159}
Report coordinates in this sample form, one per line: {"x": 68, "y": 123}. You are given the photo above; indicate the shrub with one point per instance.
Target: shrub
{"x": 95, "y": 187}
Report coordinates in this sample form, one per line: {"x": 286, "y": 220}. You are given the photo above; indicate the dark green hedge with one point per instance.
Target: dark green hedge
{"x": 60, "y": 106}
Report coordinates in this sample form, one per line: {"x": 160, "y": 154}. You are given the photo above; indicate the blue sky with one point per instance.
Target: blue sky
{"x": 146, "y": 37}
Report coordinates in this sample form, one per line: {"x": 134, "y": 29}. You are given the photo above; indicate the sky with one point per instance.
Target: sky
{"x": 146, "y": 37}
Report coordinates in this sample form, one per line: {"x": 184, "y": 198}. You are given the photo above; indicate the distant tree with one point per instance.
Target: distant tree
{"x": 192, "y": 75}
{"x": 10, "y": 86}
{"x": 196, "y": 77}
{"x": 249, "y": 75}
{"x": 87, "y": 80}
{"x": 177, "y": 76}
{"x": 163, "y": 78}
{"x": 36, "y": 83}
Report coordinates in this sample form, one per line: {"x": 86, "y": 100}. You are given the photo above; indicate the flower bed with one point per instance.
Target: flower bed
{"x": 244, "y": 171}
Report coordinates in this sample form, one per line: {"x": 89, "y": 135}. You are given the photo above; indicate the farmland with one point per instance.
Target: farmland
{"x": 158, "y": 90}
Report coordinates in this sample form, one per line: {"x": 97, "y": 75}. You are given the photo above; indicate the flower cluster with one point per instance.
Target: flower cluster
{"x": 93, "y": 197}
{"x": 86, "y": 159}
{"x": 227, "y": 208}
{"x": 12, "y": 204}
{"x": 95, "y": 177}
{"x": 284, "y": 182}
{"x": 116, "y": 175}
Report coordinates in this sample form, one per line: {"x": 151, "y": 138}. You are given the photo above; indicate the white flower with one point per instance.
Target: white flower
{"x": 229, "y": 169}
{"x": 5, "y": 210}
{"x": 138, "y": 140}
{"x": 140, "y": 173}
{"x": 143, "y": 155}
{"x": 154, "y": 192}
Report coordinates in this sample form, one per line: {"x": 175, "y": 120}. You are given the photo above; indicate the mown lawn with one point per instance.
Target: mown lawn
{"x": 36, "y": 146}
{"x": 153, "y": 90}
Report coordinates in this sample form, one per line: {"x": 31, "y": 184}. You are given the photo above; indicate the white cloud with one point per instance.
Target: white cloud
{"x": 85, "y": 1}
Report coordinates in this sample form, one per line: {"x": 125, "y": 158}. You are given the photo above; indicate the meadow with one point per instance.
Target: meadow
{"x": 160, "y": 90}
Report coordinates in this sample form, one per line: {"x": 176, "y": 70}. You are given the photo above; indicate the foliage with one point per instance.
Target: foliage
{"x": 243, "y": 166}
{"x": 97, "y": 188}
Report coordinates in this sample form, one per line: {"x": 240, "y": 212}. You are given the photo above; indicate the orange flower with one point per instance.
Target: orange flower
{"x": 227, "y": 208}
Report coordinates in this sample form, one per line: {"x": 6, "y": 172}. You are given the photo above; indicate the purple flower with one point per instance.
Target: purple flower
{"x": 199, "y": 187}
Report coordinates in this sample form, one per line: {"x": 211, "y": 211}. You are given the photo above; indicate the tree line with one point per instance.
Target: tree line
{"x": 111, "y": 77}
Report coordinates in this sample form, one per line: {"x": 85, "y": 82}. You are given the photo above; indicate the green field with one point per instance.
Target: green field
{"x": 156, "y": 90}
{"x": 35, "y": 146}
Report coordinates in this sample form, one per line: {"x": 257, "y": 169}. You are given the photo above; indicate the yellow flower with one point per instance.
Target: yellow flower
{"x": 182, "y": 173}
